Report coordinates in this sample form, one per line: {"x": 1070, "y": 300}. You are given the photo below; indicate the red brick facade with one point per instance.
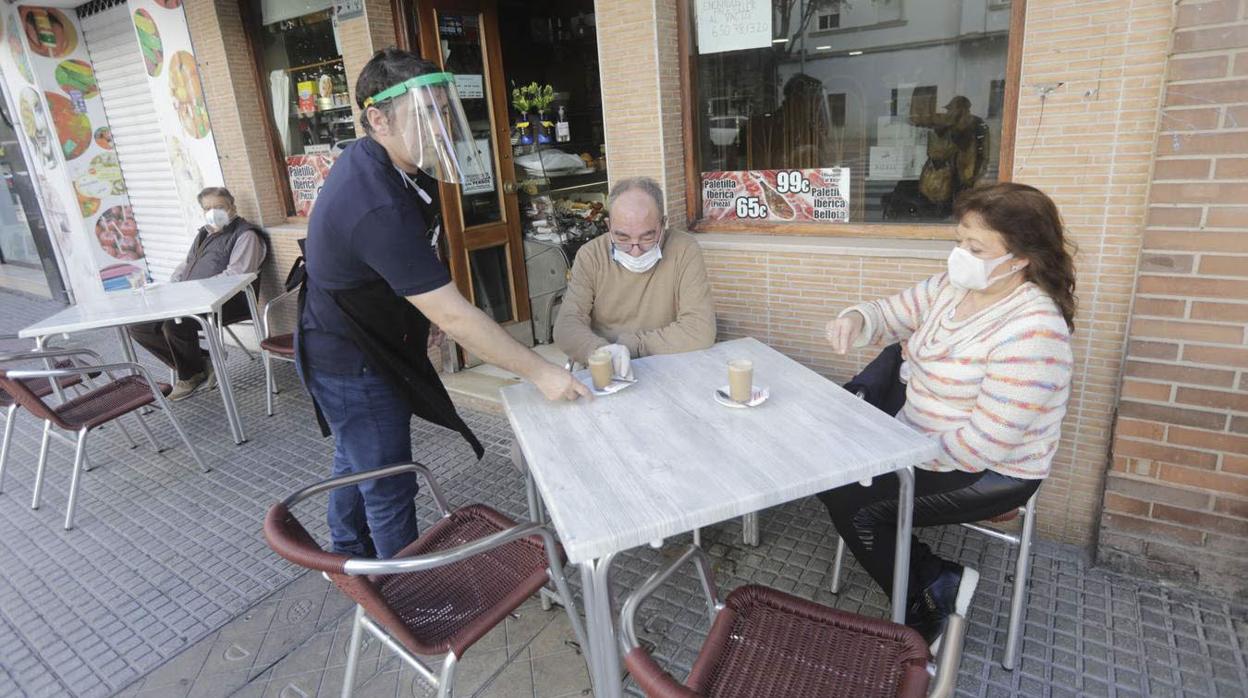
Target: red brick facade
{"x": 1176, "y": 500}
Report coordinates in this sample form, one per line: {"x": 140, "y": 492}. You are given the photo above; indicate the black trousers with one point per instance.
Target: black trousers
{"x": 866, "y": 517}
{"x": 175, "y": 344}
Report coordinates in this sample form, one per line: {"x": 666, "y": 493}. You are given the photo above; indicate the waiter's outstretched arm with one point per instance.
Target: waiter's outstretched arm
{"x": 447, "y": 308}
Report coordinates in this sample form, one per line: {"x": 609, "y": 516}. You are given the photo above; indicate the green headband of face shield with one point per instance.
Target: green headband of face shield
{"x": 426, "y": 80}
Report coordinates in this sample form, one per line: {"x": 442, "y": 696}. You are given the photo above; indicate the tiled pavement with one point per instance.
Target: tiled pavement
{"x": 139, "y": 598}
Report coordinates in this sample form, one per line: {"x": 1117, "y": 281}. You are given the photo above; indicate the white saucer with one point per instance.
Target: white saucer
{"x": 615, "y": 386}
{"x": 759, "y": 396}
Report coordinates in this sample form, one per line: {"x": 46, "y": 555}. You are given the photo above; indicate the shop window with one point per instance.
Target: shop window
{"x": 304, "y": 83}
{"x": 880, "y": 124}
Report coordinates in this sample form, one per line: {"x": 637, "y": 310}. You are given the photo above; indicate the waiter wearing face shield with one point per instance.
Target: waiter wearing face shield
{"x": 373, "y": 286}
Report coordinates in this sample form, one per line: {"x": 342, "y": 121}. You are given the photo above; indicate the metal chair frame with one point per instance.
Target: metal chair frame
{"x": 944, "y": 669}
{"x": 1022, "y": 570}
{"x": 80, "y": 459}
{"x": 444, "y": 679}
{"x": 10, "y": 416}
{"x": 270, "y": 381}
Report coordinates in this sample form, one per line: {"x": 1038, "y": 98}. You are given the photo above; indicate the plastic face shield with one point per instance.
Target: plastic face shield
{"x": 429, "y": 117}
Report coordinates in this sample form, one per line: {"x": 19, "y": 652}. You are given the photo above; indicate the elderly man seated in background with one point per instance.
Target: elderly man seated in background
{"x": 226, "y": 244}
{"x": 638, "y": 290}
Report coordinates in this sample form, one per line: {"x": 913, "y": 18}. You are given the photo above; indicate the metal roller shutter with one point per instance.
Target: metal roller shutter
{"x": 140, "y": 146}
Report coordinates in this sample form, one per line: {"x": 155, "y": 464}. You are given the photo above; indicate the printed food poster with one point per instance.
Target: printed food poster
{"x": 73, "y": 127}
{"x": 49, "y": 32}
{"x": 118, "y": 233}
{"x": 77, "y": 78}
{"x": 35, "y": 124}
{"x": 12, "y": 37}
{"x": 149, "y": 41}
{"x": 104, "y": 137}
{"x": 787, "y": 196}
{"x": 188, "y": 94}
{"x": 307, "y": 176}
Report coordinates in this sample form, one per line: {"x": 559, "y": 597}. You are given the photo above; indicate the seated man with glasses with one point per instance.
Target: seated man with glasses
{"x": 639, "y": 289}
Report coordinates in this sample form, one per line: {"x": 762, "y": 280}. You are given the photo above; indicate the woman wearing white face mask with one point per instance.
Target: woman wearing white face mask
{"x": 989, "y": 359}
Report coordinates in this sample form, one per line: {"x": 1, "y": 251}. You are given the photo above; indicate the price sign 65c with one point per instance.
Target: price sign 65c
{"x": 749, "y": 207}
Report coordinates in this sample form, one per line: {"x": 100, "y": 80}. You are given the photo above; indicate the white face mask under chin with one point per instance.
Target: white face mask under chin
{"x": 969, "y": 272}
{"x": 641, "y": 263}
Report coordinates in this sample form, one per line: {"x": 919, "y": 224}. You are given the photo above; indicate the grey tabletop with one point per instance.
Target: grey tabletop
{"x": 662, "y": 457}
{"x": 160, "y": 302}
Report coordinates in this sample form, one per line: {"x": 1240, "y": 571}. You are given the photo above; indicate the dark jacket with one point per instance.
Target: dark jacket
{"x": 210, "y": 255}
{"x": 880, "y": 381}
{"x": 393, "y": 334}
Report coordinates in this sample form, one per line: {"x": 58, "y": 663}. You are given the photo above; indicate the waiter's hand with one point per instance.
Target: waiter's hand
{"x": 558, "y": 384}
{"x": 436, "y": 336}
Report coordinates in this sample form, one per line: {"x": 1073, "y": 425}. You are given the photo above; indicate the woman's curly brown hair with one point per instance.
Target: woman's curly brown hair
{"x": 1029, "y": 224}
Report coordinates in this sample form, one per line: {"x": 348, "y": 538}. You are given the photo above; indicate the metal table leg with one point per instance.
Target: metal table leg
{"x": 604, "y": 651}
{"x": 901, "y": 563}
{"x": 127, "y": 344}
{"x": 223, "y": 378}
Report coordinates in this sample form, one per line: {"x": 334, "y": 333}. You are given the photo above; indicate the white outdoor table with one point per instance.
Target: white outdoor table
{"x": 661, "y": 458}
{"x": 198, "y": 301}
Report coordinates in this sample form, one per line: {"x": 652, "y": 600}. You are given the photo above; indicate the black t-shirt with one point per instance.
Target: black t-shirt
{"x": 368, "y": 223}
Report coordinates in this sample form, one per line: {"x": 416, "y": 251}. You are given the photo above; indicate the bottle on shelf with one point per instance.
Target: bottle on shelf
{"x": 563, "y": 133}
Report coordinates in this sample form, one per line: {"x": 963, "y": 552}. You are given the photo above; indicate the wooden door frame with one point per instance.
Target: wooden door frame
{"x": 424, "y": 33}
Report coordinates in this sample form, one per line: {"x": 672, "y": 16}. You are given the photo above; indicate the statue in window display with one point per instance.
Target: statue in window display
{"x": 957, "y": 151}
{"x": 957, "y": 155}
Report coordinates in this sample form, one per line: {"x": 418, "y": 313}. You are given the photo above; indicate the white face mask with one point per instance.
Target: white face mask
{"x": 641, "y": 263}
{"x": 217, "y": 218}
{"x": 972, "y": 273}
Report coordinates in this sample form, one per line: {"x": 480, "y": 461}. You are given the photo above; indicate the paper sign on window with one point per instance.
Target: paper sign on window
{"x": 786, "y": 196}
{"x": 733, "y": 25}
{"x": 470, "y": 86}
{"x": 485, "y": 182}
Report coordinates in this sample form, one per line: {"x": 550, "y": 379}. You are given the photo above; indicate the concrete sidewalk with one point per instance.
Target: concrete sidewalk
{"x": 165, "y": 587}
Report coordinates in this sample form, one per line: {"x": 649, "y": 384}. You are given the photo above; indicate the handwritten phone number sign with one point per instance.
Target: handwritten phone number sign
{"x": 785, "y": 196}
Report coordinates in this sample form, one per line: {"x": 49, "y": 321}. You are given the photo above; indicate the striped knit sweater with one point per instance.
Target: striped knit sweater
{"x": 993, "y": 387}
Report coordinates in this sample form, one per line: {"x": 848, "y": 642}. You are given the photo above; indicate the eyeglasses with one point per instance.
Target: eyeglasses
{"x": 627, "y": 247}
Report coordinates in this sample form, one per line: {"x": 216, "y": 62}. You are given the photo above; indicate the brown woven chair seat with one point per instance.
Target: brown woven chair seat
{"x": 42, "y": 387}
{"x": 453, "y": 606}
{"x": 283, "y": 344}
{"x": 107, "y": 403}
{"x": 766, "y": 644}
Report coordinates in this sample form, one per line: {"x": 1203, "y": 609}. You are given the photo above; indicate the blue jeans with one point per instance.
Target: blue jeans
{"x": 371, "y": 423}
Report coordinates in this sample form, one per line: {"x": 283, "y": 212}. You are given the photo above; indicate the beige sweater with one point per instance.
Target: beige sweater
{"x": 666, "y": 310}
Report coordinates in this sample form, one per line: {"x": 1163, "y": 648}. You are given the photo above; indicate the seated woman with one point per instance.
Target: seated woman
{"x": 989, "y": 363}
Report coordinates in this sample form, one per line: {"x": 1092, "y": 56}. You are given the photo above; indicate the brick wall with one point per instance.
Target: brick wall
{"x": 638, "y": 60}
{"x": 1176, "y": 500}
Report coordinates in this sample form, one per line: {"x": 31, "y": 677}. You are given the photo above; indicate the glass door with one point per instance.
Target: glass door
{"x": 481, "y": 218}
